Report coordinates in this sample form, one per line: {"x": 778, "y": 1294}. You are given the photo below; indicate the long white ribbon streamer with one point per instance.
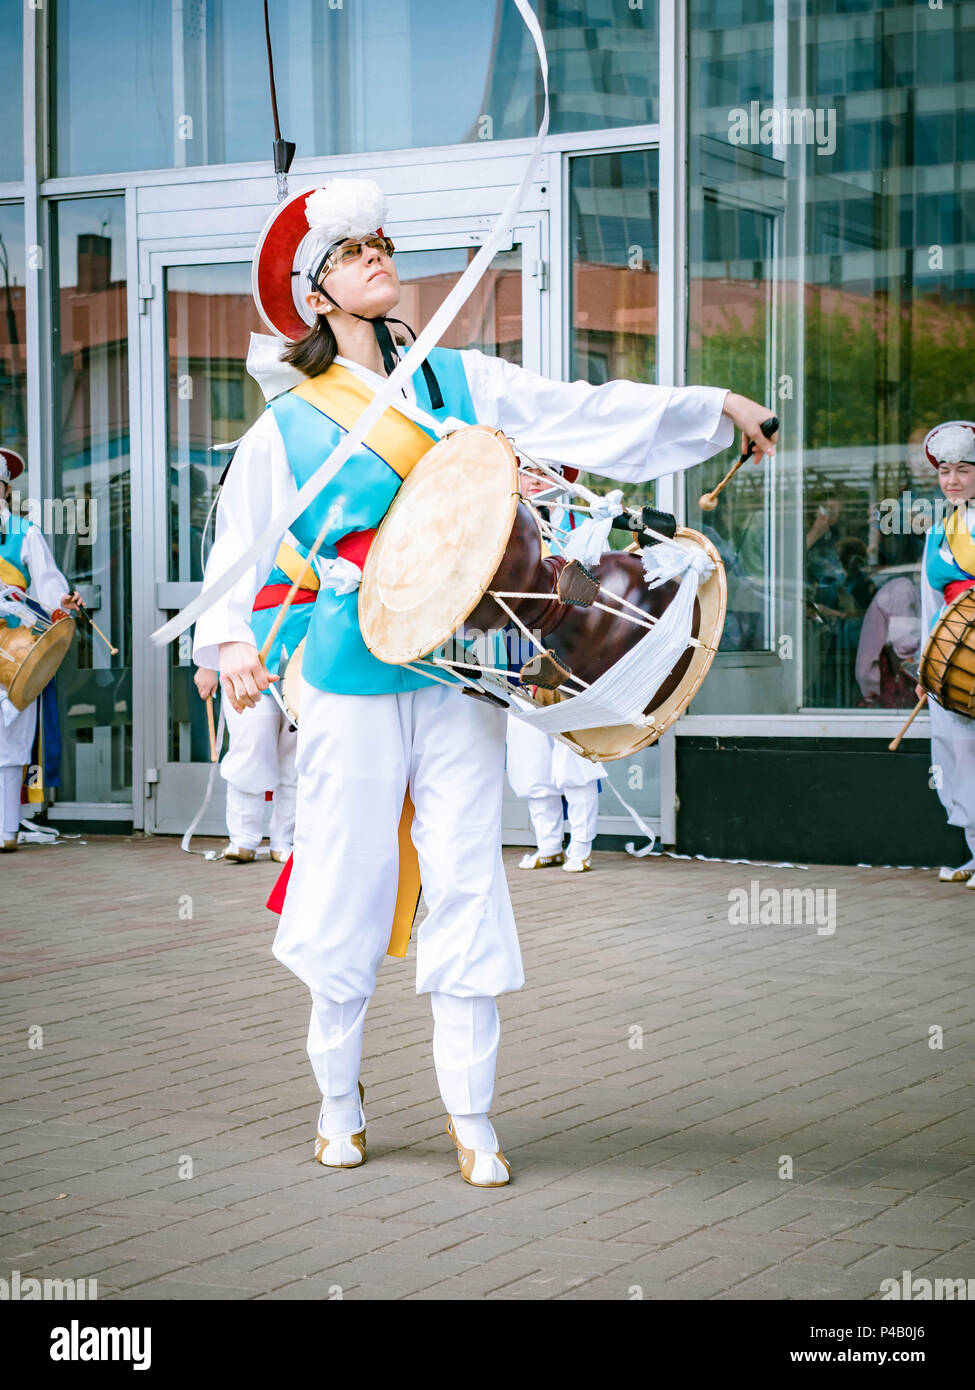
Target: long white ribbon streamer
{"x": 191, "y": 828}
{"x": 427, "y": 339}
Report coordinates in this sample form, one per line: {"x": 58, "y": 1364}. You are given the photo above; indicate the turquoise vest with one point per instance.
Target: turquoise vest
{"x": 15, "y": 529}
{"x": 356, "y": 499}
{"x": 939, "y": 571}
{"x": 295, "y": 624}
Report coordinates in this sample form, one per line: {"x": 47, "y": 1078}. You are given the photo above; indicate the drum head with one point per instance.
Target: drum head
{"x": 289, "y": 687}
{"x": 439, "y": 545}
{"x": 622, "y": 740}
{"x": 41, "y": 662}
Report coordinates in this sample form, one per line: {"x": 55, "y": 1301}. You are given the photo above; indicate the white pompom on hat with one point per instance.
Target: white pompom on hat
{"x": 294, "y": 240}
{"x": 951, "y": 442}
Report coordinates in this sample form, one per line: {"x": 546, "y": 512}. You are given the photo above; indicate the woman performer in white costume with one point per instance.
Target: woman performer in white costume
{"x": 369, "y": 733}
{"x": 26, "y": 563}
{"x": 947, "y": 570}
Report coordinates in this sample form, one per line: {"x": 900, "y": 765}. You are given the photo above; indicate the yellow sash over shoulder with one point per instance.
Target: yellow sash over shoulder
{"x": 339, "y": 394}
{"x": 960, "y": 541}
{"x": 11, "y": 574}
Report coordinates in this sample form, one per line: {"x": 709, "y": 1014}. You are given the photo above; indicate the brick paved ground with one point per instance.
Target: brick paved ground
{"x": 655, "y": 1166}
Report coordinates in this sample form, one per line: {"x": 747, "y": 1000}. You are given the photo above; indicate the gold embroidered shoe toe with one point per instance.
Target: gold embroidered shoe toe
{"x": 541, "y": 861}
{"x": 477, "y": 1166}
{"x": 8, "y": 846}
{"x": 344, "y": 1150}
{"x": 946, "y": 875}
{"x": 239, "y": 856}
{"x": 280, "y": 856}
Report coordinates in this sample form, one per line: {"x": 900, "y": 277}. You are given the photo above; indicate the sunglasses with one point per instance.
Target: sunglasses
{"x": 352, "y": 250}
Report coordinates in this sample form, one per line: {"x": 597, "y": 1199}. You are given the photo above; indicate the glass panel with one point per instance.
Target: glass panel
{"x": 613, "y": 217}
{"x": 12, "y": 89}
{"x": 13, "y": 349}
{"x": 491, "y": 318}
{"x": 402, "y": 73}
{"x": 91, "y": 512}
{"x": 211, "y": 400}
{"x": 832, "y": 252}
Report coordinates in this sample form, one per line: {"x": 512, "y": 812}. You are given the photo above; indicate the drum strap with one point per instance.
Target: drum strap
{"x": 295, "y": 566}
{"x": 10, "y": 574}
{"x": 960, "y": 541}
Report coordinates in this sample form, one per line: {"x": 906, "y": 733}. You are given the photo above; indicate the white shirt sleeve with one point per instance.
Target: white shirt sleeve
{"x": 47, "y": 584}
{"x": 622, "y": 429}
{"x": 259, "y": 484}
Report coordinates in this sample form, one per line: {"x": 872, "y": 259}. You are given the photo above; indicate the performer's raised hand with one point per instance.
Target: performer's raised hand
{"x": 71, "y": 601}
{"x": 206, "y": 682}
{"x": 243, "y": 676}
{"x": 749, "y": 416}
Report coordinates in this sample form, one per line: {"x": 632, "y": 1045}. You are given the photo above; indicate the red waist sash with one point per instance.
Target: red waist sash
{"x": 355, "y": 546}
{"x": 956, "y": 587}
{"x": 273, "y": 594}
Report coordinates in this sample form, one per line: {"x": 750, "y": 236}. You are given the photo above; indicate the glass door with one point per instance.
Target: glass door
{"x": 201, "y": 317}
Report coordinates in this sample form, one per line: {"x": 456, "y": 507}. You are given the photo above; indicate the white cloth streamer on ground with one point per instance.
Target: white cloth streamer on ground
{"x": 620, "y": 695}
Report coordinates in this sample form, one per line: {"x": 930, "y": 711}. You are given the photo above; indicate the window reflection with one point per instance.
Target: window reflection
{"x": 400, "y": 74}
{"x": 13, "y": 349}
{"x": 12, "y": 90}
{"x": 90, "y": 520}
{"x": 831, "y": 275}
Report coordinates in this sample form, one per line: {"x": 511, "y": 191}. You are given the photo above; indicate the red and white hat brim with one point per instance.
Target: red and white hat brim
{"x": 272, "y": 279}
{"x": 13, "y": 465}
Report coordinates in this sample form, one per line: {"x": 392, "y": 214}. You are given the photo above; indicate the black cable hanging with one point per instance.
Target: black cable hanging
{"x": 284, "y": 150}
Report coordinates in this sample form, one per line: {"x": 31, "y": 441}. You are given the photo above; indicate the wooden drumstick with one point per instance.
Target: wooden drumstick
{"x": 289, "y": 599}
{"x": 709, "y": 500}
{"x": 214, "y": 756}
{"x": 91, "y": 621}
{"x": 895, "y": 743}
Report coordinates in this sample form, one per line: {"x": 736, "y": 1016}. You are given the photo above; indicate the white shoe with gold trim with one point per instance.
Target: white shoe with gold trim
{"x": 477, "y": 1166}
{"x": 343, "y": 1150}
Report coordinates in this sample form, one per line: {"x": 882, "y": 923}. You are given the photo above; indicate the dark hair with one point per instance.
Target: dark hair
{"x": 315, "y": 352}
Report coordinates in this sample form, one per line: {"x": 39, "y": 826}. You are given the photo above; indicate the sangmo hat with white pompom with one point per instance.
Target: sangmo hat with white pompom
{"x": 952, "y": 442}
{"x": 295, "y": 239}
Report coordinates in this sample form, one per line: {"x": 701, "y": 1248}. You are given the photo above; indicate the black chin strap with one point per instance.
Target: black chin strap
{"x": 388, "y": 348}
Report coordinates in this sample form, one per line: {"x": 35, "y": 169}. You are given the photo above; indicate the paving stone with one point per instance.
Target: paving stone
{"x": 656, "y": 1168}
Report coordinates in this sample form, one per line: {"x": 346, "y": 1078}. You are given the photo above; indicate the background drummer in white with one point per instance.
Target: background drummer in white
{"x": 467, "y": 951}
{"x": 950, "y": 447}
{"x": 24, "y": 549}
{"x": 542, "y": 769}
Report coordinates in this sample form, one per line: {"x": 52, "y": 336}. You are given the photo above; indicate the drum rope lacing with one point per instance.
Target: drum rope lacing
{"x": 621, "y": 694}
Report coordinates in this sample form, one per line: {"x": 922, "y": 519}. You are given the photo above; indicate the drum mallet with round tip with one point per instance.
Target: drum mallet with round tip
{"x": 709, "y": 500}
{"x": 214, "y": 755}
{"x": 91, "y": 622}
{"x": 895, "y": 742}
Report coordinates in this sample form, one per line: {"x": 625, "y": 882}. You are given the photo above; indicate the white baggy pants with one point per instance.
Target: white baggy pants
{"x": 11, "y": 779}
{"x": 356, "y": 757}
{"x": 16, "y": 745}
{"x": 546, "y": 816}
{"x": 261, "y": 758}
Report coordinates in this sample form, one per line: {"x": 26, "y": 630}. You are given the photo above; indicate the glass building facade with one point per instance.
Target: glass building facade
{"x": 776, "y": 196}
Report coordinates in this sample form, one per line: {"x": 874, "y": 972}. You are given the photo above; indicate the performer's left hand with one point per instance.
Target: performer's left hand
{"x": 72, "y": 601}
{"x": 749, "y": 417}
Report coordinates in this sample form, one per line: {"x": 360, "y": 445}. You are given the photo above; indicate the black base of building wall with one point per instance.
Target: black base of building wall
{"x": 820, "y": 801}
